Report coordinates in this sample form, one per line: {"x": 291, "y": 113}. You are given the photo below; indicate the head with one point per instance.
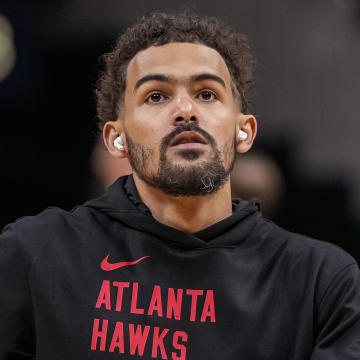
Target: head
{"x": 176, "y": 88}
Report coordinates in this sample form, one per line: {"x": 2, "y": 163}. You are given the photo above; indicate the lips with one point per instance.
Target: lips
{"x": 187, "y": 137}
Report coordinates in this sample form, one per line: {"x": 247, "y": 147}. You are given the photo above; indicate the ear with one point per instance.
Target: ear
{"x": 111, "y": 130}
{"x": 248, "y": 124}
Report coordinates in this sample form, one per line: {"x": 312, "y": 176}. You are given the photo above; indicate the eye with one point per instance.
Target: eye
{"x": 207, "y": 95}
{"x": 156, "y": 97}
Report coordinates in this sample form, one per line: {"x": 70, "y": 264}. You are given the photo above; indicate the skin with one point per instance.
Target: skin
{"x": 147, "y": 118}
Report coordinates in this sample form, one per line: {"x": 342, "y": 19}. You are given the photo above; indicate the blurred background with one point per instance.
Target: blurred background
{"x": 305, "y": 166}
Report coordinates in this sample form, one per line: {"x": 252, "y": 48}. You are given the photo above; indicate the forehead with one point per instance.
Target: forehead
{"x": 178, "y": 59}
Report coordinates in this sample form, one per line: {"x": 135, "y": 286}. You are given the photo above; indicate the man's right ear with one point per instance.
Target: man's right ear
{"x": 114, "y": 139}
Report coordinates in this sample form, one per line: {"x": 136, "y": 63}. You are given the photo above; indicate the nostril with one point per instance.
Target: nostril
{"x": 182, "y": 119}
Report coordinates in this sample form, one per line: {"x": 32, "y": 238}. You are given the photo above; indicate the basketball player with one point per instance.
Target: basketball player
{"x": 165, "y": 265}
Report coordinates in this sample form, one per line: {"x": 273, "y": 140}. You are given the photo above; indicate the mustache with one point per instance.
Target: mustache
{"x": 187, "y": 127}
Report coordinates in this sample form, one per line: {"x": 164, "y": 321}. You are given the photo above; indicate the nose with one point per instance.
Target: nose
{"x": 184, "y": 110}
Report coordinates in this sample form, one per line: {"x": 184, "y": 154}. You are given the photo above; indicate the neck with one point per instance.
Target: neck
{"x": 186, "y": 213}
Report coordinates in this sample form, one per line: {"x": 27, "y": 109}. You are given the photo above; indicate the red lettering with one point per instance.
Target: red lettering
{"x": 209, "y": 307}
{"x": 120, "y": 285}
{"x": 177, "y": 346}
{"x": 104, "y": 296}
{"x": 194, "y": 294}
{"x": 174, "y": 304}
{"x": 156, "y": 302}
{"x": 99, "y": 334}
{"x": 118, "y": 338}
{"x": 134, "y": 309}
{"x": 158, "y": 341}
{"x": 138, "y": 339}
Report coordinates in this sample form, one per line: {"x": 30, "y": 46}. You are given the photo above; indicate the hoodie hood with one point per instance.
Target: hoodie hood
{"x": 127, "y": 208}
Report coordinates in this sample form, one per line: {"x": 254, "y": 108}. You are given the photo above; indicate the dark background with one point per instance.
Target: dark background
{"x": 307, "y": 103}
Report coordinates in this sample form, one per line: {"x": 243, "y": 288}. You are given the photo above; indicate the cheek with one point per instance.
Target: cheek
{"x": 223, "y": 126}
{"x": 144, "y": 129}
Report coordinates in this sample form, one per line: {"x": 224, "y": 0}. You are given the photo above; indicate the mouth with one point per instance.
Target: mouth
{"x": 188, "y": 139}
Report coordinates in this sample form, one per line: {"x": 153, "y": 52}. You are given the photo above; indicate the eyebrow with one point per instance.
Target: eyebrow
{"x": 171, "y": 79}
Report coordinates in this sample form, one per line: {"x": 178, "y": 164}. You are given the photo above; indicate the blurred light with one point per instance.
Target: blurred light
{"x": 7, "y": 48}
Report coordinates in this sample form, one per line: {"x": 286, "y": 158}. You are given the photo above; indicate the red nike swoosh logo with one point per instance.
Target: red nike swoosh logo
{"x": 106, "y": 266}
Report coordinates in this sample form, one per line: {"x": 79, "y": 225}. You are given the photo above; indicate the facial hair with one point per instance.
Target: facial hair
{"x": 201, "y": 178}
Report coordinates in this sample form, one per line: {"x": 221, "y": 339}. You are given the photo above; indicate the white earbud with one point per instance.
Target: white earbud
{"x": 242, "y": 135}
{"x": 118, "y": 143}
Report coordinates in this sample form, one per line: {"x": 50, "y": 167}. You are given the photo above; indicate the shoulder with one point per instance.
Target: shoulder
{"x": 304, "y": 247}
{"x": 302, "y": 255}
{"x": 30, "y": 234}
{"x": 317, "y": 263}
{"x": 48, "y": 220}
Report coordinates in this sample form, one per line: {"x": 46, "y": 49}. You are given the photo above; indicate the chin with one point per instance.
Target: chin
{"x": 191, "y": 154}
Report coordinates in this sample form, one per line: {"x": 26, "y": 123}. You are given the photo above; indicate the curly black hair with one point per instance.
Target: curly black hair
{"x": 160, "y": 28}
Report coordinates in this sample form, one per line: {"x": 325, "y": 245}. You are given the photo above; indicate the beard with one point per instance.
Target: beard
{"x": 201, "y": 178}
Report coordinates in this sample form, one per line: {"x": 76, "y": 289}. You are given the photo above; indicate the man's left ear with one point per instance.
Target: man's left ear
{"x": 247, "y": 124}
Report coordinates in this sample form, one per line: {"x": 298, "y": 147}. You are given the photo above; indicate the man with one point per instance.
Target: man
{"x": 165, "y": 265}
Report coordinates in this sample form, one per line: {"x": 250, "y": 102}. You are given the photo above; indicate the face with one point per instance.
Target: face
{"x": 179, "y": 118}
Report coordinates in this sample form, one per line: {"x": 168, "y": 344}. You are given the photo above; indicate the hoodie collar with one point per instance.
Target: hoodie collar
{"x": 132, "y": 193}
{"x": 122, "y": 202}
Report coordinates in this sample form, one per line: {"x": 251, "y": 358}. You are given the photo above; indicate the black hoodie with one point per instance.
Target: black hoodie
{"x": 108, "y": 281}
